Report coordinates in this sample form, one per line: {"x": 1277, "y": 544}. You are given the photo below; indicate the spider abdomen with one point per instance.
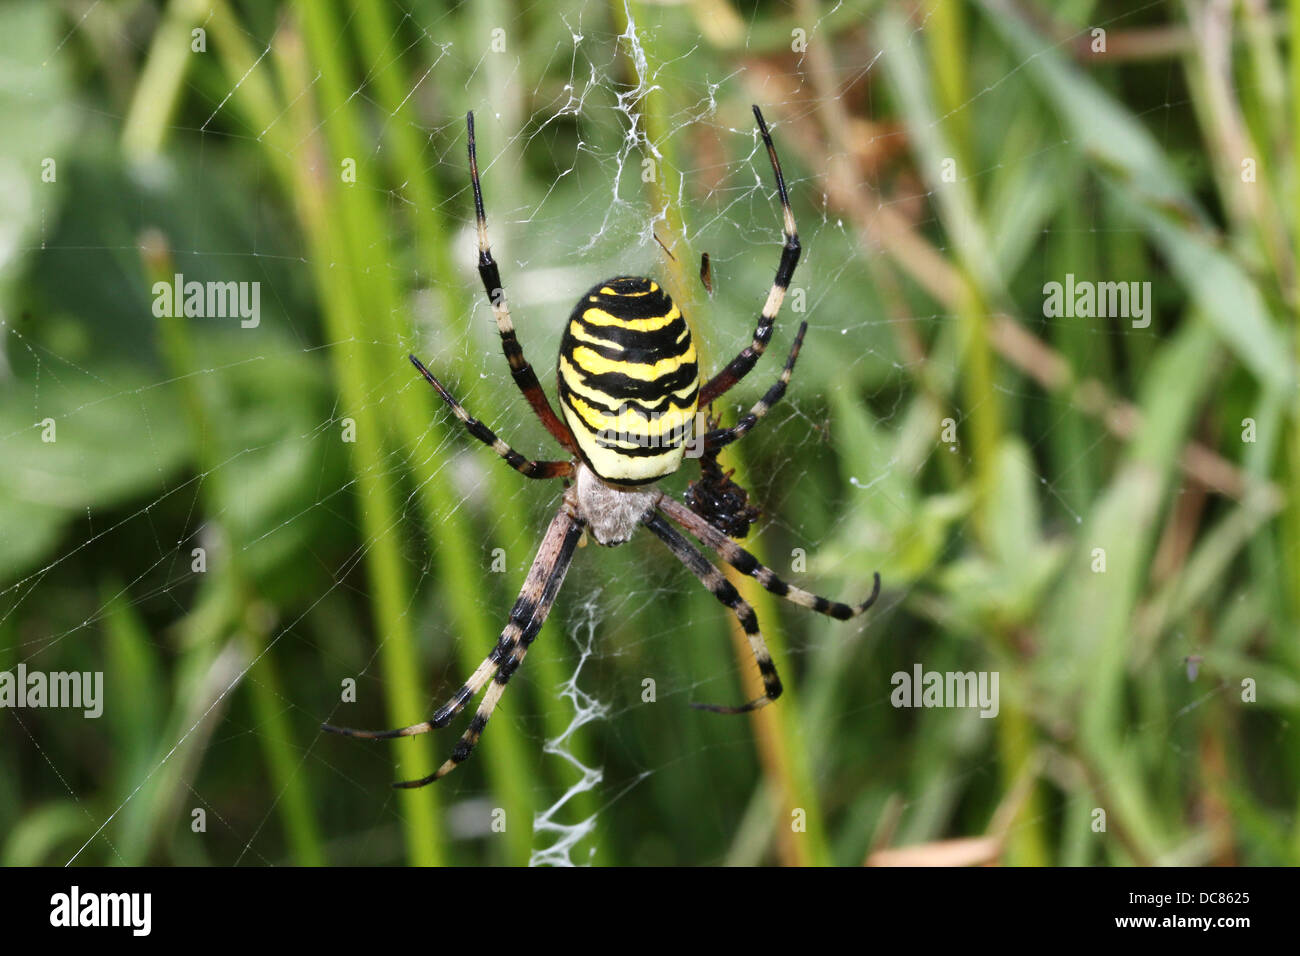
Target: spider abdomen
{"x": 629, "y": 382}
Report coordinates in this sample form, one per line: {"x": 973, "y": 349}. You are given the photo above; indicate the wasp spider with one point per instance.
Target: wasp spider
{"x": 629, "y": 389}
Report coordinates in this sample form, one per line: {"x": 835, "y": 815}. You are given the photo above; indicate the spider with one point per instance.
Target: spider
{"x": 629, "y": 389}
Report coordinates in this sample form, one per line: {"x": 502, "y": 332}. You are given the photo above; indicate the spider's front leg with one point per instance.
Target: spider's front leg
{"x": 522, "y": 372}
{"x": 526, "y": 618}
{"x": 739, "y": 367}
{"x": 746, "y": 563}
{"x": 715, "y": 497}
{"x": 525, "y": 466}
{"x": 717, "y": 438}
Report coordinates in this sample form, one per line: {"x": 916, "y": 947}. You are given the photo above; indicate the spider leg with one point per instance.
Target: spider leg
{"x": 721, "y": 437}
{"x": 525, "y": 466}
{"x": 526, "y": 618}
{"x": 522, "y": 372}
{"x": 746, "y": 563}
{"x": 725, "y": 592}
{"x": 739, "y": 367}
{"x": 550, "y": 565}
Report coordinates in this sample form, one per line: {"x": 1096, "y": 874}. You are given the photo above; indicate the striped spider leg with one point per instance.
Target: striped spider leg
{"x": 739, "y": 367}
{"x": 715, "y": 497}
{"x": 726, "y": 593}
{"x": 526, "y": 619}
{"x": 525, "y": 466}
{"x": 520, "y": 370}
{"x": 721, "y": 437}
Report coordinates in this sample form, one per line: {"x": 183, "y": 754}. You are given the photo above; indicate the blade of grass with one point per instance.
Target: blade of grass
{"x": 957, "y": 206}
{"x": 778, "y": 730}
{"x": 283, "y": 756}
{"x": 335, "y": 226}
{"x": 157, "y": 91}
{"x": 1291, "y": 535}
{"x": 460, "y": 574}
{"x": 1088, "y": 623}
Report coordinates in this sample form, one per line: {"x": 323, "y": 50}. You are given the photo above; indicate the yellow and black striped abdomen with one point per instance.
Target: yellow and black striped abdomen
{"x": 629, "y": 381}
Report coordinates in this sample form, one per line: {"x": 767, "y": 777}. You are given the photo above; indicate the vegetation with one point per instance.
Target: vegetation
{"x": 232, "y": 522}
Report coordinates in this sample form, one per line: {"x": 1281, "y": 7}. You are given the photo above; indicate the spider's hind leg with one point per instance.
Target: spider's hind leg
{"x": 746, "y": 563}
{"x": 726, "y": 593}
{"x": 526, "y": 618}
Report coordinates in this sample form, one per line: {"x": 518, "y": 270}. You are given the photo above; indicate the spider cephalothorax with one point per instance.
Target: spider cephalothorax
{"x": 629, "y": 389}
{"x": 719, "y": 500}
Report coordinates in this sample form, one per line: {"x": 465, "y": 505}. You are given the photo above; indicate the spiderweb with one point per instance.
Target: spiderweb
{"x": 607, "y": 145}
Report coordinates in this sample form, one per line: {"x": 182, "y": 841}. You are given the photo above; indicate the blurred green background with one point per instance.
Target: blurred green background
{"x": 1098, "y": 512}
